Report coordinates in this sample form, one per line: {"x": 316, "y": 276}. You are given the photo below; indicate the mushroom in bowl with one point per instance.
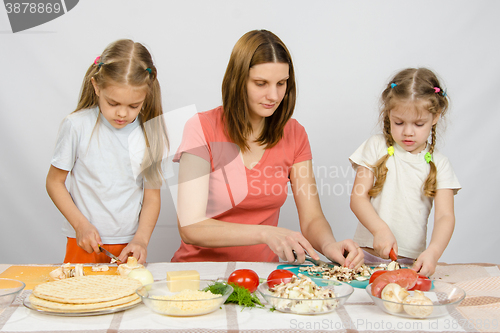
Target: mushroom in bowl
{"x": 441, "y": 300}
{"x": 304, "y": 295}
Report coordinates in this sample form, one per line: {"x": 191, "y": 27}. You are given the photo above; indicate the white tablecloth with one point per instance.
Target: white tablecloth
{"x": 359, "y": 314}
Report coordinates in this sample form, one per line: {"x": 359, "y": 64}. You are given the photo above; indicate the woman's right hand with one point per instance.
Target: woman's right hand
{"x": 383, "y": 242}
{"x": 284, "y": 241}
{"x": 87, "y": 237}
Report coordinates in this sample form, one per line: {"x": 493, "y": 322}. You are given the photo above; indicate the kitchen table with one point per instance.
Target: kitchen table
{"x": 479, "y": 312}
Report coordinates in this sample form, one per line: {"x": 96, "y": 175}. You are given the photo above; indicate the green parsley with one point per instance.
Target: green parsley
{"x": 240, "y": 295}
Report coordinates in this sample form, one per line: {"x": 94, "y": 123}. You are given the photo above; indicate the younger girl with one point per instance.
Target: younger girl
{"x": 106, "y": 201}
{"x": 399, "y": 174}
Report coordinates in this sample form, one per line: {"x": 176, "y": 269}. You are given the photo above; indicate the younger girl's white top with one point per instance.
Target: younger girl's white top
{"x": 101, "y": 181}
{"x": 402, "y": 203}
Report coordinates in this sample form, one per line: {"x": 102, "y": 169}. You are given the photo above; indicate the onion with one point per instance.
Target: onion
{"x": 141, "y": 274}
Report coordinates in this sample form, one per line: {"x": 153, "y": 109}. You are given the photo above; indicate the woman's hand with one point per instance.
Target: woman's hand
{"x": 87, "y": 237}
{"x": 335, "y": 252}
{"x": 283, "y": 242}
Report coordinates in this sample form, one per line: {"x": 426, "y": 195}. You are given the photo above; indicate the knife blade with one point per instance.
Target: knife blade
{"x": 318, "y": 262}
{"x": 109, "y": 254}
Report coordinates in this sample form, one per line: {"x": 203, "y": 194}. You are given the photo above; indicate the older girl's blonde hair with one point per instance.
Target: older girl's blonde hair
{"x": 129, "y": 63}
{"x": 253, "y": 48}
{"x": 410, "y": 84}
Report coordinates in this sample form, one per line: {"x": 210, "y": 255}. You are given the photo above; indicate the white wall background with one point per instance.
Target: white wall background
{"x": 344, "y": 52}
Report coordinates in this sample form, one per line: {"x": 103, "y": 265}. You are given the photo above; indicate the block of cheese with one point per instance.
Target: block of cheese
{"x": 182, "y": 280}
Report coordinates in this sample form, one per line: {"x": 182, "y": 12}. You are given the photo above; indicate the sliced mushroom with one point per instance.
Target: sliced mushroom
{"x": 393, "y": 292}
{"x": 57, "y": 274}
{"x": 418, "y": 305}
{"x": 77, "y": 271}
{"x": 393, "y": 265}
{"x": 100, "y": 268}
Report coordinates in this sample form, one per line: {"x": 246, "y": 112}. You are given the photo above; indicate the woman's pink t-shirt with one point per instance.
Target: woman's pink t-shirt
{"x": 238, "y": 194}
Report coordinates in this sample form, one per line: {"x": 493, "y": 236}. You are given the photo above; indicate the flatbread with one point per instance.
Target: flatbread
{"x": 68, "y": 310}
{"x": 87, "y": 289}
{"x": 46, "y": 305}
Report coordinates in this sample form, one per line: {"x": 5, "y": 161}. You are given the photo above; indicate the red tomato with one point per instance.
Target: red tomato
{"x": 423, "y": 283}
{"x": 278, "y": 276}
{"x": 376, "y": 274}
{"x": 245, "y": 278}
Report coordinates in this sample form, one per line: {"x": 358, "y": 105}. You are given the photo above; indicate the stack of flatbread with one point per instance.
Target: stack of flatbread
{"x": 86, "y": 294}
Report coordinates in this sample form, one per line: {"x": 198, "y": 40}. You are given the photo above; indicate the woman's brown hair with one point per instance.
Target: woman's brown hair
{"x": 129, "y": 63}
{"x": 253, "y": 48}
{"x": 410, "y": 84}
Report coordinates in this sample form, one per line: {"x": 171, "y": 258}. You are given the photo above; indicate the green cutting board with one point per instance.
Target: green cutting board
{"x": 356, "y": 284}
{"x": 295, "y": 270}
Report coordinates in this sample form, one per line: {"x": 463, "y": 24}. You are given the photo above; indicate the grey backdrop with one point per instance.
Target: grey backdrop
{"x": 343, "y": 51}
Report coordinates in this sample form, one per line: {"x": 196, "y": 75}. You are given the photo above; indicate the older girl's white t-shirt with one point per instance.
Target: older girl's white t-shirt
{"x": 101, "y": 180}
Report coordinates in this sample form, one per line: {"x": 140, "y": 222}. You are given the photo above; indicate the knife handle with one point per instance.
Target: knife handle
{"x": 393, "y": 255}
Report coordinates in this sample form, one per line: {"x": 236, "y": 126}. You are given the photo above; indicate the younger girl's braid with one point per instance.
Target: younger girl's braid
{"x": 430, "y": 182}
{"x": 380, "y": 169}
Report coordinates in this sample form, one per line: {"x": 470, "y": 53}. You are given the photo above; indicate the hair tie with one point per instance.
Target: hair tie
{"x": 444, "y": 93}
{"x": 428, "y": 157}
{"x": 149, "y": 70}
{"x": 390, "y": 150}
{"x": 437, "y": 90}
{"x": 393, "y": 85}
{"x": 98, "y": 62}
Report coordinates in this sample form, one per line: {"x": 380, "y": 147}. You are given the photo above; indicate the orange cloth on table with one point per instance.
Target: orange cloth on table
{"x": 238, "y": 194}
{"x": 77, "y": 255}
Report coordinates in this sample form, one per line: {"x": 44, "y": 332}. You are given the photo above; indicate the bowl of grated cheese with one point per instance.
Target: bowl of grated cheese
{"x": 182, "y": 298}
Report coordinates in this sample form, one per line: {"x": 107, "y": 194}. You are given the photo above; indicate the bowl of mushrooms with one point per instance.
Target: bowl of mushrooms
{"x": 305, "y": 295}
{"x": 439, "y": 301}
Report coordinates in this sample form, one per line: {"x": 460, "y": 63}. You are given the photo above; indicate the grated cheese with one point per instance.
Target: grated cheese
{"x": 187, "y": 302}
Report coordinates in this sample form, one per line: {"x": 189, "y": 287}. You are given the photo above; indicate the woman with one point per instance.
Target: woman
{"x": 235, "y": 164}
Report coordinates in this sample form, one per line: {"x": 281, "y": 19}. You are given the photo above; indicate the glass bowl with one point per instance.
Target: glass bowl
{"x": 181, "y": 298}
{"x": 9, "y": 290}
{"x": 309, "y": 306}
{"x": 444, "y": 296}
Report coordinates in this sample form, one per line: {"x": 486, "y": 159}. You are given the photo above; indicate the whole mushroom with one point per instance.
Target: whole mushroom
{"x": 125, "y": 269}
{"x": 418, "y": 305}
{"x": 393, "y": 292}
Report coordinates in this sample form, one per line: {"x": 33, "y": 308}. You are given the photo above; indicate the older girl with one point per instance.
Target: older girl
{"x": 111, "y": 201}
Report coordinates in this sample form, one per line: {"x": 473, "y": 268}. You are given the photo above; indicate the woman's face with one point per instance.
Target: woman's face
{"x": 266, "y": 88}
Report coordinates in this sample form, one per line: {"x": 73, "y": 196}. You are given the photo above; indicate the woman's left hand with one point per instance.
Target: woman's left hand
{"x": 284, "y": 241}
{"x": 335, "y": 252}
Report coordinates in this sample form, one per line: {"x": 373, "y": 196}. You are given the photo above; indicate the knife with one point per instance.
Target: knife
{"x": 109, "y": 254}
{"x": 317, "y": 262}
